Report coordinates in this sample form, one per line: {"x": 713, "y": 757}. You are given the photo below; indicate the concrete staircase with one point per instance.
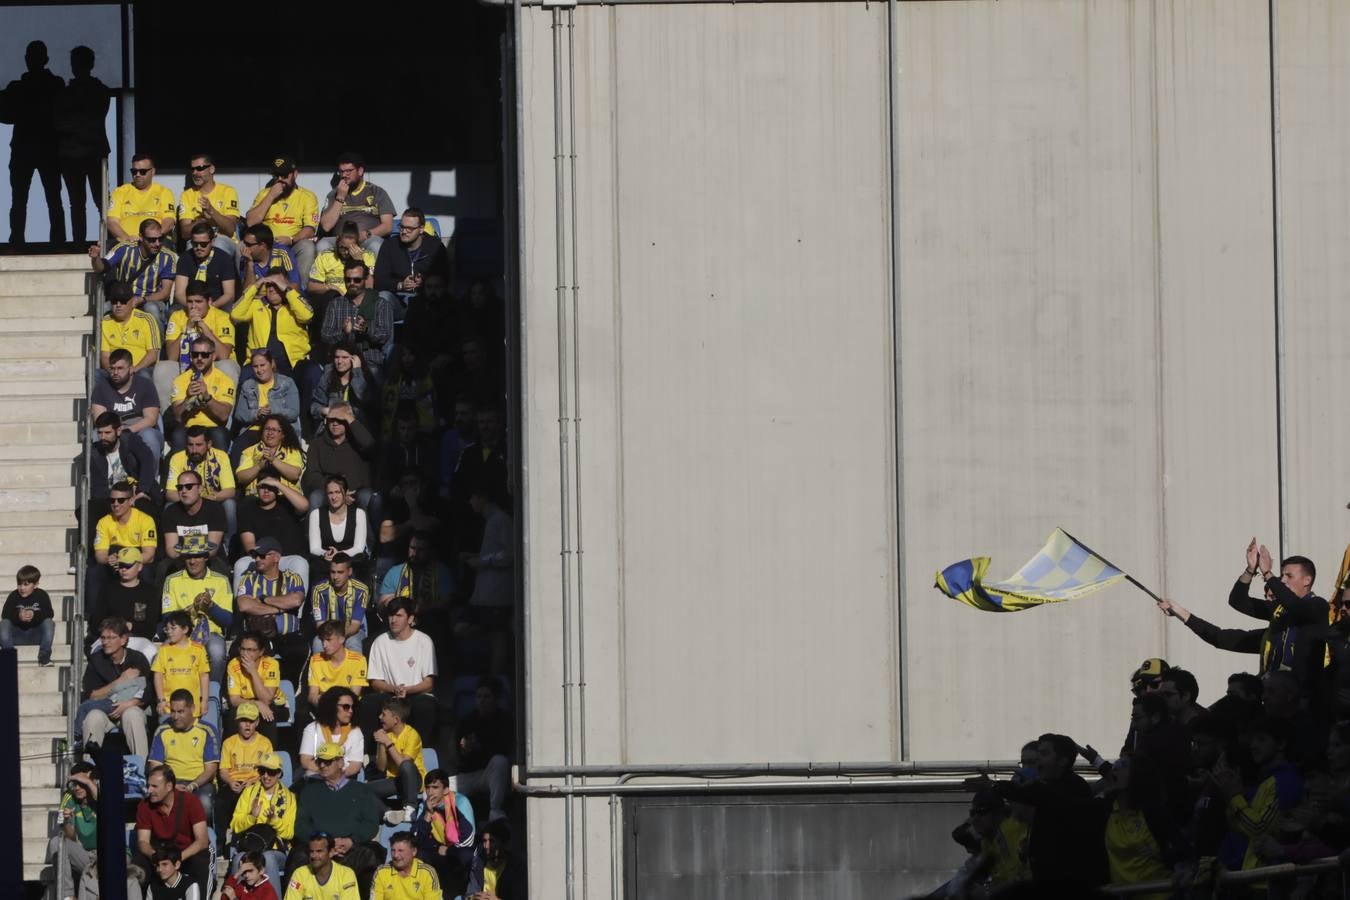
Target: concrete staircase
{"x": 44, "y": 329}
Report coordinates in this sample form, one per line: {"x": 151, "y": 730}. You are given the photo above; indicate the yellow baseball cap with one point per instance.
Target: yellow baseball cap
{"x": 247, "y": 710}
{"x": 128, "y": 555}
{"x": 329, "y": 750}
{"x": 270, "y": 762}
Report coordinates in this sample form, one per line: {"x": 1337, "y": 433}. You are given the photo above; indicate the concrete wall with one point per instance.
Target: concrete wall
{"x": 1086, "y": 339}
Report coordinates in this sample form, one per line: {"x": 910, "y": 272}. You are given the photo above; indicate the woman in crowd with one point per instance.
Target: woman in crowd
{"x": 268, "y": 392}
{"x": 253, "y": 675}
{"x": 343, "y": 381}
{"x": 264, "y": 821}
{"x": 334, "y": 722}
{"x": 79, "y": 829}
{"x": 339, "y": 526}
{"x": 277, "y": 454}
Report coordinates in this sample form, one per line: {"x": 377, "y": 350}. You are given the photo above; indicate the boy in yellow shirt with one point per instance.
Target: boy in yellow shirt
{"x": 335, "y": 664}
{"x": 181, "y": 664}
{"x": 240, "y": 756}
{"x": 398, "y": 751}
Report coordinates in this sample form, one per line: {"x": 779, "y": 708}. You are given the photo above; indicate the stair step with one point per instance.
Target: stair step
{"x": 34, "y": 848}
{"x": 53, "y": 498}
{"x": 67, "y": 387}
{"x": 39, "y": 345}
{"x": 37, "y": 773}
{"x": 39, "y": 679}
{"x": 56, "y": 305}
{"x": 60, "y": 655}
{"x": 40, "y": 453}
{"x": 40, "y": 797}
{"x": 52, "y": 324}
{"x": 37, "y": 820}
{"x": 41, "y": 409}
{"x": 34, "y": 285}
{"x": 42, "y": 705}
{"x": 44, "y": 724}
{"x": 65, "y": 369}
{"x": 52, "y": 561}
{"x": 33, "y": 747}
{"x": 39, "y": 433}
{"x": 55, "y": 262}
{"x": 25, "y": 518}
{"x": 17, "y": 540}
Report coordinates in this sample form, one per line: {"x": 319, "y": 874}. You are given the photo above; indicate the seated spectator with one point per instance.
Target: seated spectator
{"x": 461, "y": 433}
{"x": 485, "y": 739}
{"x": 189, "y": 748}
{"x": 204, "y": 596}
{"x": 275, "y": 513}
{"x": 444, "y": 835}
{"x": 240, "y": 755}
{"x": 210, "y": 203}
{"x": 270, "y": 598}
{"x": 403, "y": 265}
{"x": 202, "y": 397}
{"x": 276, "y": 315}
{"x": 277, "y": 455}
{"x": 192, "y": 514}
{"x": 353, "y": 199}
{"x": 361, "y": 317}
{"x": 410, "y": 452}
{"x": 1260, "y": 785}
{"x": 492, "y": 603}
{"x": 131, "y": 599}
{"x": 124, "y": 526}
{"x": 267, "y": 393}
{"x": 146, "y": 266}
{"x": 338, "y": 526}
{"x": 477, "y": 373}
{"x": 181, "y": 664}
{"x": 258, "y": 255}
{"x": 328, "y": 274}
{"x": 134, "y": 402}
{"x": 138, "y": 201}
{"x": 211, "y": 266}
{"x": 481, "y": 467}
{"x": 409, "y": 510}
{"x": 320, "y": 875}
{"x": 122, "y": 456}
{"x": 404, "y": 875}
{"x": 215, "y": 475}
{"x": 496, "y": 872}
{"x": 127, "y": 328}
{"x": 254, "y": 677}
{"x": 402, "y": 664}
{"x": 343, "y": 600}
{"x": 292, "y": 212}
{"x": 481, "y": 313}
{"x": 398, "y": 754}
{"x": 197, "y": 318}
{"x": 333, "y": 724}
{"x": 342, "y": 449}
{"x": 348, "y": 814}
{"x": 169, "y": 882}
{"x": 334, "y": 664}
{"x": 255, "y": 877}
{"x": 430, "y": 325}
{"x": 78, "y": 833}
{"x": 408, "y": 390}
{"x": 117, "y": 692}
{"x": 27, "y": 617}
{"x": 424, "y": 581}
{"x": 343, "y": 381}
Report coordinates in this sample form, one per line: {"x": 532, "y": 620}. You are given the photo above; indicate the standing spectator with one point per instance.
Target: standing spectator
{"x": 402, "y": 664}
{"x": 485, "y": 739}
{"x": 1180, "y": 689}
{"x": 404, "y": 875}
{"x": 277, "y": 317}
{"x": 270, "y": 599}
{"x": 189, "y": 748}
{"x": 259, "y": 254}
{"x": 345, "y": 810}
{"x": 361, "y": 317}
{"x": 267, "y": 393}
{"x": 343, "y": 600}
{"x": 1261, "y": 787}
{"x": 409, "y": 453}
{"x": 353, "y": 199}
{"x": 398, "y": 755}
{"x": 82, "y": 138}
{"x": 492, "y": 603}
{"x": 292, "y": 212}
{"x": 408, "y": 390}
{"x": 28, "y": 104}
{"x": 141, "y": 199}
{"x": 208, "y": 264}
{"x": 202, "y": 397}
{"x": 275, "y": 514}
{"x": 128, "y": 327}
{"x": 209, "y": 202}
{"x": 135, "y": 404}
{"x": 481, "y": 467}
{"x": 168, "y": 817}
{"x": 333, "y": 724}
{"x": 205, "y": 597}
{"x": 338, "y": 526}
{"x": 254, "y": 878}
{"x": 182, "y": 665}
{"x": 342, "y": 449}
{"x": 431, "y": 326}
{"x": 27, "y": 618}
{"x": 78, "y": 833}
{"x": 409, "y": 510}
{"x": 192, "y": 515}
{"x": 117, "y": 690}
{"x": 131, "y": 599}
{"x": 1060, "y": 849}
{"x": 496, "y": 873}
{"x": 444, "y": 834}
{"x": 240, "y": 756}
{"x": 197, "y": 318}
{"x": 343, "y": 381}
{"x": 254, "y": 677}
{"x": 170, "y": 883}
{"x": 335, "y": 664}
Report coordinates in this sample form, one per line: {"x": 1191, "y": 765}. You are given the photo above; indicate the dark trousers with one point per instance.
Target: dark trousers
{"x": 77, "y": 173}
{"x": 22, "y": 165}
{"x": 404, "y": 789}
{"x": 423, "y": 717}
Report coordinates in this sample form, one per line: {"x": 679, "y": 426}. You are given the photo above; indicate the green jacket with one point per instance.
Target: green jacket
{"x": 352, "y": 811}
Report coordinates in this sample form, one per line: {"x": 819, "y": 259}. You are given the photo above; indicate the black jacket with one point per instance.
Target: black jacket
{"x": 138, "y": 462}
{"x": 1062, "y": 847}
{"x": 393, "y": 263}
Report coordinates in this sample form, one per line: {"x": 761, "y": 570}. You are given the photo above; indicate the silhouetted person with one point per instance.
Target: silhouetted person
{"x": 81, "y": 138}
{"x": 28, "y": 104}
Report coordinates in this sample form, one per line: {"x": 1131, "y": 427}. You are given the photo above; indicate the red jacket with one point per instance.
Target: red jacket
{"x": 263, "y": 890}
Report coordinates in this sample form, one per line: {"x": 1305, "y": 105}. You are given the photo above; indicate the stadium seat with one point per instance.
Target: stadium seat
{"x": 430, "y": 760}
{"x": 137, "y": 761}
{"x": 288, "y": 691}
{"x": 286, "y": 770}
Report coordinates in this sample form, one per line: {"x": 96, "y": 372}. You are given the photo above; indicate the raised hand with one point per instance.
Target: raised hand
{"x": 1252, "y": 557}
{"x": 1263, "y": 558}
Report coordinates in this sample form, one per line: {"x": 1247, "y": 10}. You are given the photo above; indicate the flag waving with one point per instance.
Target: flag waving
{"x": 1063, "y": 570}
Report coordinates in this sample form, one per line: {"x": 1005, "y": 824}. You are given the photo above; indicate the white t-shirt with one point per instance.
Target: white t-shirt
{"x": 353, "y": 748}
{"x": 402, "y": 663}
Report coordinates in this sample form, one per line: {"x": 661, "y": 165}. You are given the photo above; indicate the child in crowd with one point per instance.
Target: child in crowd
{"x": 27, "y": 618}
{"x": 180, "y": 663}
{"x": 398, "y": 751}
{"x": 444, "y": 834}
{"x": 249, "y": 882}
{"x": 239, "y": 757}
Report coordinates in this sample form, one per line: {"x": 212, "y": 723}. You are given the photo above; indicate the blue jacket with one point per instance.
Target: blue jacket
{"x": 283, "y": 399}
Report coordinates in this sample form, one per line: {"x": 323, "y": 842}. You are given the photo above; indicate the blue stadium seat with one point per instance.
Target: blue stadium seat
{"x": 435, "y": 224}
{"x": 429, "y": 759}
{"x": 286, "y": 770}
{"x": 288, "y": 691}
{"x": 139, "y": 762}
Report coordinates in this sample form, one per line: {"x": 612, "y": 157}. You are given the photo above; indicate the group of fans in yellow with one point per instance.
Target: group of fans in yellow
{"x": 301, "y": 592}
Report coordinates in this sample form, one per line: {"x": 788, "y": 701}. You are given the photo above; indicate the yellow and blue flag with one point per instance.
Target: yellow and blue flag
{"x": 1063, "y": 570}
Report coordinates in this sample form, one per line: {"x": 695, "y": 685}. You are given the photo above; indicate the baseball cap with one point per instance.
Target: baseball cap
{"x": 329, "y": 750}
{"x": 247, "y": 710}
{"x": 1150, "y": 669}
{"x": 267, "y": 545}
{"x": 128, "y": 555}
{"x": 283, "y": 165}
{"x": 194, "y": 544}
{"x": 269, "y": 761}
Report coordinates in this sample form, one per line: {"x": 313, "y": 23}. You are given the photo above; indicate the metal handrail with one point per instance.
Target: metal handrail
{"x": 1224, "y": 878}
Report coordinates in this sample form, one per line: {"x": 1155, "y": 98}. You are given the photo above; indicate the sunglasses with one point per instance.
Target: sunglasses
{"x": 344, "y": 706}
{"x": 201, "y": 244}
{"x": 357, "y": 280}
{"x": 118, "y": 301}
{"x": 136, "y": 171}
{"x": 153, "y": 240}
{"x": 188, "y": 486}
{"x": 254, "y": 244}
{"x": 201, "y": 168}
{"x": 119, "y": 499}
{"x": 125, "y": 566}
{"x": 202, "y": 354}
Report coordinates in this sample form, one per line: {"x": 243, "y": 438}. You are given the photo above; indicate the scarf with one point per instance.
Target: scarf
{"x": 445, "y": 822}
{"x": 416, "y": 587}
{"x": 208, "y": 470}
{"x": 338, "y": 737}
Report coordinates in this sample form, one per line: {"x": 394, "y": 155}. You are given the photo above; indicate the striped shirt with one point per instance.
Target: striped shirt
{"x": 254, "y": 585}
{"x": 128, "y": 263}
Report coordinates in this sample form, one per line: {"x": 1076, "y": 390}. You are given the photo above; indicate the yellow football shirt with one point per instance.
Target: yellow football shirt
{"x": 409, "y": 743}
{"x": 249, "y": 458}
{"x": 214, "y": 471}
{"x": 186, "y": 752}
{"x": 351, "y": 672}
{"x": 182, "y": 666}
{"x": 341, "y": 885}
{"x": 223, "y": 197}
{"x": 287, "y": 215}
{"x": 138, "y": 334}
{"x": 239, "y": 757}
{"x": 419, "y": 884}
{"x": 237, "y": 684}
{"x": 328, "y": 268}
{"x": 218, "y": 320}
{"x": 130, "y": 207}
{"x": 138, "y": 531}
{"x": 181, "y": 589}
{"x": 219, "y": 385}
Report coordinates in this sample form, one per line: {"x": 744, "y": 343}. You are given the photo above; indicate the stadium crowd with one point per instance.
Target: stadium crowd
{"x": 1259, "y": 777}
{"x": 301, "y": 588}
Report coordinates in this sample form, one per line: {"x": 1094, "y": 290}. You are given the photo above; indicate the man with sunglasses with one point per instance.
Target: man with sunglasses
{"x": 131, "y": 599}
{"x": 127, "y": 328}
{"x": 123, "y": 527}
{"x": 141, "y": 199}
{"x": 270, "y": 597}
{"x": 204, "y": 595}
{"x": 146, "y": 264}
{"x": 347, "y": 812}
{"x": 209, "y": 201}
{"x": 259, "y": 254}
{"x": 192, "y": 514}
{"x": 361, "y": 317}
{"x": 208, "y": 264}
{"x": 202, "y": 396}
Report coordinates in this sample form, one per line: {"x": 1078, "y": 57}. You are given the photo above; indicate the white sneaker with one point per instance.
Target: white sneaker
{"x": 395, "y": 817}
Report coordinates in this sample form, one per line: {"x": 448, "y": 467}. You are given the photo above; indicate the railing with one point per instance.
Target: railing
{"x": 1241, "y": 878}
